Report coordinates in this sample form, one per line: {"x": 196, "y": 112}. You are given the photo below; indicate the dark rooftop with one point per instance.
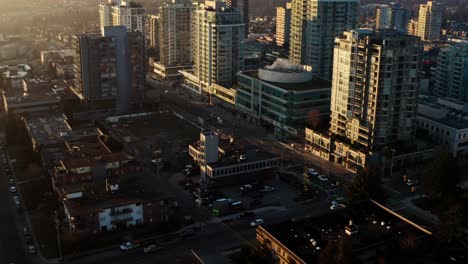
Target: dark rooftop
{"x": 375, "y": 227}
{"x": 310, "y": 85}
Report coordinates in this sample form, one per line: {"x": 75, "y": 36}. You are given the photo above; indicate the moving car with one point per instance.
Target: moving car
{"x": 322, "y": 178}
{"x": 267, "y": 188}
{"x": 257, "y": 222}
{"x": 130, "y": 245}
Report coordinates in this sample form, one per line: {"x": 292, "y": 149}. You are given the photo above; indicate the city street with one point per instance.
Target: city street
{"x": 12, "y": 244}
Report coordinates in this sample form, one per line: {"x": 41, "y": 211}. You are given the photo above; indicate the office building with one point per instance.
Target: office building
{"x": 223, "y": 160}
{"x": 383, "y": 17}
{"x": 122, "y": 13}
{"x": 400, "y": 18}
{"x": 283, "y": 25}
{"x": 450, "y": 75}
{"x": 444, "y": 121}
{"x": 314, "y": 26}
{"x": 217, "y": 46}
{"x": 429, "y": 21}
{"x": 284, "y": 96}
{"x": 374, "y": 101}
{"x": 174, "y": 44}
{"x": 374, "y": 95}
{"x": 392, "y": 16}
{"x": 243, "y": 7}
{"x": 110, "y": 66}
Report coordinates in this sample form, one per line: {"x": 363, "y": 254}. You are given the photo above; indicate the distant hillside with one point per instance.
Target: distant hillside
{"x": 257, "y": 7}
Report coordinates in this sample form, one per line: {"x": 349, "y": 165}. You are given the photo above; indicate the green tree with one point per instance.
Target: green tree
{"x": 450, "y": 224}
{"x": 327, "y": 256}
{"x": 367, "y": 184}
{"x": 343, "y": 251}
{"x": 442, "y": 176}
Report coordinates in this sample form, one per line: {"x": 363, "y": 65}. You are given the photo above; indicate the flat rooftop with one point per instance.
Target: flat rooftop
{"x": 449, "y": 120}
{"x": 374, "y": 226}
{"x": 314, "y": 84}
{"x": 48, "y": 130}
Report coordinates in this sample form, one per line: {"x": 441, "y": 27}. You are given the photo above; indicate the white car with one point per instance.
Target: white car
{"x": 336, "y": 205}
{"x": 267, "y": 188}
{"x": 322, "y": 178}
{"x": 17, "y": 201}
{"x": 410, "y": 183}
{"x": 32, "y": 249}
{"x": 257, "y": 222}
{"x": 312, "y": 172}
{"x": 127, "y": 246}
{"x": 13, "y": 189}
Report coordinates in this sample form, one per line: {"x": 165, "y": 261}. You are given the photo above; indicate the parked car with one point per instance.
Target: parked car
{"x": 13, "y": 189}
{"x": 32, "y": 249}
{"x": 335, "y": 205}
{"x": 257, "y": 222}
{"x": 17, "y": 201}
{"x": 312, "y": 172}
{"x": 246, "y": 188}
{"x": 411, "y": 183}
{"x": 151, "y": 248}
{"x": 187, "y": 233}
{"x": 28, "y": 239}
{"x": 12, "y": 181}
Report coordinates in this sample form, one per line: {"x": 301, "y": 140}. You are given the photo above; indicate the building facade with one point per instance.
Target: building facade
{"x": 383, "y": 17}
{"x": 429, "y": 21}
{"x": 243, "y": 7}
{"x": 110, "y": 66}
{"x": 122, "y": 13}
{"x": 375, "y": 85}
{"x": 450, "y": 75}
{"x": 287, "y": 106}
{"x": 445, "y": 122}
{"x": 374, "y": 96}
{"x": 314, "y": 26}
{"x": 217, "y": 46}
{"x": 392, "y": 16}
{"x": 283, "y": 25}
{"x": 174, "y": 31}
{"x": 154, "y": 32}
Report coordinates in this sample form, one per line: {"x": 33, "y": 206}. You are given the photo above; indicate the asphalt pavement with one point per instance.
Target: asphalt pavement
{"x": 12, "y": 244}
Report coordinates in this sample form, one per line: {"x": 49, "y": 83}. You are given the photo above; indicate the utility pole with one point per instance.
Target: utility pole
{"x": 59, "y": 241}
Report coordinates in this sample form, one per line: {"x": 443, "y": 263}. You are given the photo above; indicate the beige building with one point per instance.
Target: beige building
{"x": 374, "y": 95}
{"x": 174, "y": 25}
{"x": 283, "y": 24}
{"x": 217, "y": 46}
{"x": 122, "y": 13}
{"x": 154, "y": 31}
{"x": 314, "y": 26}
{"x": 429, "y": 21}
